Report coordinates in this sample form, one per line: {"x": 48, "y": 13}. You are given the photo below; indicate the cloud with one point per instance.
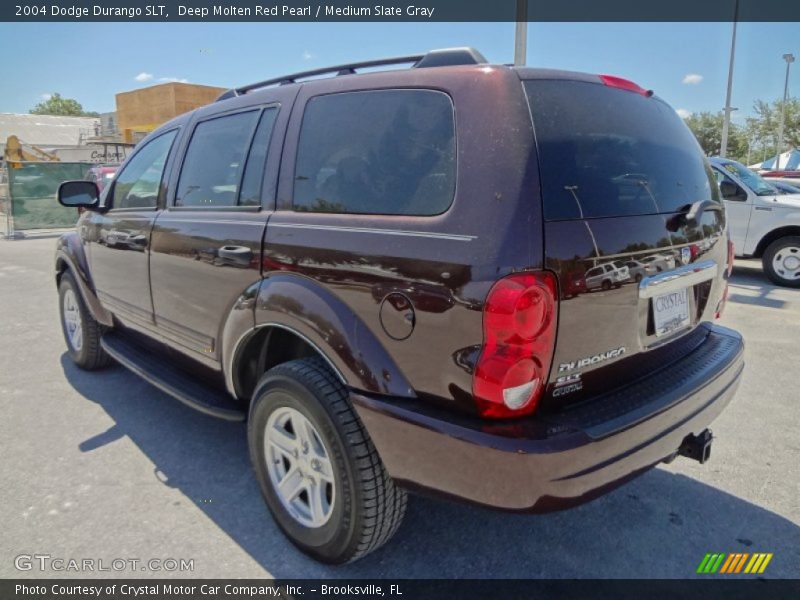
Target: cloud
{"x": 144, "y": 76}
{"x": 692, "y": 79}
{"x": 46, "y": 96}
{"x": 683, "y": 113}
{"x": 307, "y": 55}
{"x": 173, "y": 80}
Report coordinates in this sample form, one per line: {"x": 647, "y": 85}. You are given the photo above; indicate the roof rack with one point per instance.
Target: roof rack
{"x": 434, "y": 58}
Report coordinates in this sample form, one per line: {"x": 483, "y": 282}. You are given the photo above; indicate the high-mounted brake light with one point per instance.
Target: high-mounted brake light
{"x": 624, "y": 84}
{"x": 519, "y": 325}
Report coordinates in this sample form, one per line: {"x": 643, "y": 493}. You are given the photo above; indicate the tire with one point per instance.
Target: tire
{"x": 84, "y": 349}
{"x": 781, "y": 261}
{"x": 606, "y": 285}
{"x": 359, "y": 507}
{"x": 638, "y": 278}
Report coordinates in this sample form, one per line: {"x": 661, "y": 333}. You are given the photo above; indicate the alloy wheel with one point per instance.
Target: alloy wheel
{"x": 299, "y": 467}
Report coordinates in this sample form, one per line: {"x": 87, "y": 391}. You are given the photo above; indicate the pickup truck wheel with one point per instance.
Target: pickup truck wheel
{"x": 317, "y": 467}
{"x": 81, "y": 332}
{"x": 781, "y": 261}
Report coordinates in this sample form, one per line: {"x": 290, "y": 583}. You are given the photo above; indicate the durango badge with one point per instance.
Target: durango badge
{"x": 591, "y": 360}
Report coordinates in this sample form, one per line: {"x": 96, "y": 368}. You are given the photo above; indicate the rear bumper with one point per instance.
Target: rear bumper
{"x": 557, "y": 461}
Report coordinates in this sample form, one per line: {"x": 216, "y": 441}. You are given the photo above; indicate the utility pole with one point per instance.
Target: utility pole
{"x": 726, "y": 121}
{"x": 521, "y": 33}
{"x": 789, "y": 58}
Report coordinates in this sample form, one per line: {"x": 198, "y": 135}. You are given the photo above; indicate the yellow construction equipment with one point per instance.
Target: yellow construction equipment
{"x": 18, "y": 152}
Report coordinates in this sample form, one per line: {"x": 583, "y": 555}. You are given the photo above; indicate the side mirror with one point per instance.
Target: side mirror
{"x": 731, "y": 191}
{"x": 79, "y": 194}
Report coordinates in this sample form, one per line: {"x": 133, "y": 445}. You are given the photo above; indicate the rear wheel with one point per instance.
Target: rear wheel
{"x": 781, "y": 261}
{"x": 606, "y": 285}
{"x": 81, "y": 332}
{"x": 317, "y": 467}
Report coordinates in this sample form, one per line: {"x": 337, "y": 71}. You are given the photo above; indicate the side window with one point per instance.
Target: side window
{"x": 213, "y": 165}
{"x": 139, "y": 183}
{"x": 389, "y": 152}
{"x": 256, "y": 161}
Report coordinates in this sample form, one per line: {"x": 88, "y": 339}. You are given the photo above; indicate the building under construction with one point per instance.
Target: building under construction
{"x": 141, "y": 111}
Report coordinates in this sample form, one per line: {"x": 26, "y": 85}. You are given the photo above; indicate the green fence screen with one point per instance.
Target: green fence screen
{"x": 32, "y": 188}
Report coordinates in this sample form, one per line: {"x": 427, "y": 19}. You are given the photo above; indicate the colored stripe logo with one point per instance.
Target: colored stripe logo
{"x": 735, "y": 563}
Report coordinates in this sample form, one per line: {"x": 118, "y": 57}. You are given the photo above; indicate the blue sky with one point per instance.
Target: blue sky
{"x": 92, "y": 61}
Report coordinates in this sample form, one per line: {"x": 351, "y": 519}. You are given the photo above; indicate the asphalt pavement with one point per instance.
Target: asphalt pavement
{"x": 103, "y": 466}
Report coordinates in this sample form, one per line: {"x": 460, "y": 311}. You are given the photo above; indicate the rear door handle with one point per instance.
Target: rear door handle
{"x": 677, "y": 279}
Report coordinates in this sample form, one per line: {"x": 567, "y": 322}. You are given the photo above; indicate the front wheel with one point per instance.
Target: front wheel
{"x": 317, "y": 467}
{"x": 81, "y": 332}
{"x": 781, "y": 261}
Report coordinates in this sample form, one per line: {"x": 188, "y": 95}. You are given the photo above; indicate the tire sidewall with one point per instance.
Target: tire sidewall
{"x": 67, "y": 283}
{"x": 332, "y": 540}
{"x": 769, "y": 255}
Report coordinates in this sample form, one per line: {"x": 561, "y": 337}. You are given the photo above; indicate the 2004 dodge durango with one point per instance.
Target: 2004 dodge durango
{"x": 384, "y": 274}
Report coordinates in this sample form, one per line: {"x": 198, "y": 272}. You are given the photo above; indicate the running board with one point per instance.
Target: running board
{"x": 174, "y": 382}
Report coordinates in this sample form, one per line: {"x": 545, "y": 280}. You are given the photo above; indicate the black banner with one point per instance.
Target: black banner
{"x": 733, "y": 588}
{"x": 396, "y": 10}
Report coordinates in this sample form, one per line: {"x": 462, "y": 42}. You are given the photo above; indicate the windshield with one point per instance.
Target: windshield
{"x": 750, "y": 178}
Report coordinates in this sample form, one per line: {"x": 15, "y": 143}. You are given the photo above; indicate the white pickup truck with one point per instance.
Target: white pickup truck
{"x": 763, "y": 223}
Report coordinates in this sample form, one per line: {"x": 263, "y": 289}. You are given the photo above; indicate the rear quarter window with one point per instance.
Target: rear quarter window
{"x": 388, "y": 152}
{"x": 606, "y": 152}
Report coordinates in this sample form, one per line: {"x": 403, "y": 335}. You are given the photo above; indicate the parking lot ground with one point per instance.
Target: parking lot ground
{"x": 103, "y": 466}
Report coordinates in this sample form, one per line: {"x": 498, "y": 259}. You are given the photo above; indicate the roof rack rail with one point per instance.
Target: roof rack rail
{"x": 434, "y": 58}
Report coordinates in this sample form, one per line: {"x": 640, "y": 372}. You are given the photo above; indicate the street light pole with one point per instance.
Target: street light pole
{"x": 789, "y": 58}
{"x": 521, "y": 33}
{"x": 726, "y": 121}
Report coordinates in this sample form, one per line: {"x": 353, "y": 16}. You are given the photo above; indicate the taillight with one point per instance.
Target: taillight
{"x": 624, "y": 84}
{"x": 519, "y": 326}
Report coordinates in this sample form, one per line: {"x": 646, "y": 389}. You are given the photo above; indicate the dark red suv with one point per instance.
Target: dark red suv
{"x": 384, "y": 274}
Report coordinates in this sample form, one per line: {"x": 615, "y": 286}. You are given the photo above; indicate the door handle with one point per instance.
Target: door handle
{"x": 240, "y": 255}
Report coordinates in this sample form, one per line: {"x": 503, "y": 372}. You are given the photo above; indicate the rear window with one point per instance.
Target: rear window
{"x": 606, "y": 152}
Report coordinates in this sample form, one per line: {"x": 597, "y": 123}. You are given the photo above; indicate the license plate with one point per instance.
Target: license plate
{"x": 670, "y": 312}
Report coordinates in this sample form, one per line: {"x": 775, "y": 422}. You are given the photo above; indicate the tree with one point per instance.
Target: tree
{"x": 64, "y": 107}
{"x": 707, "y": 128}
{"x": 755, "y": 140}
{"x": 767, "y": 122}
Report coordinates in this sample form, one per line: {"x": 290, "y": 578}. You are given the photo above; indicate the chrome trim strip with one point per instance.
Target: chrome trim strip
{"x": 402, "y": 232}
{"x": 168, "y": 220}
{"x": 677, "y": 279}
